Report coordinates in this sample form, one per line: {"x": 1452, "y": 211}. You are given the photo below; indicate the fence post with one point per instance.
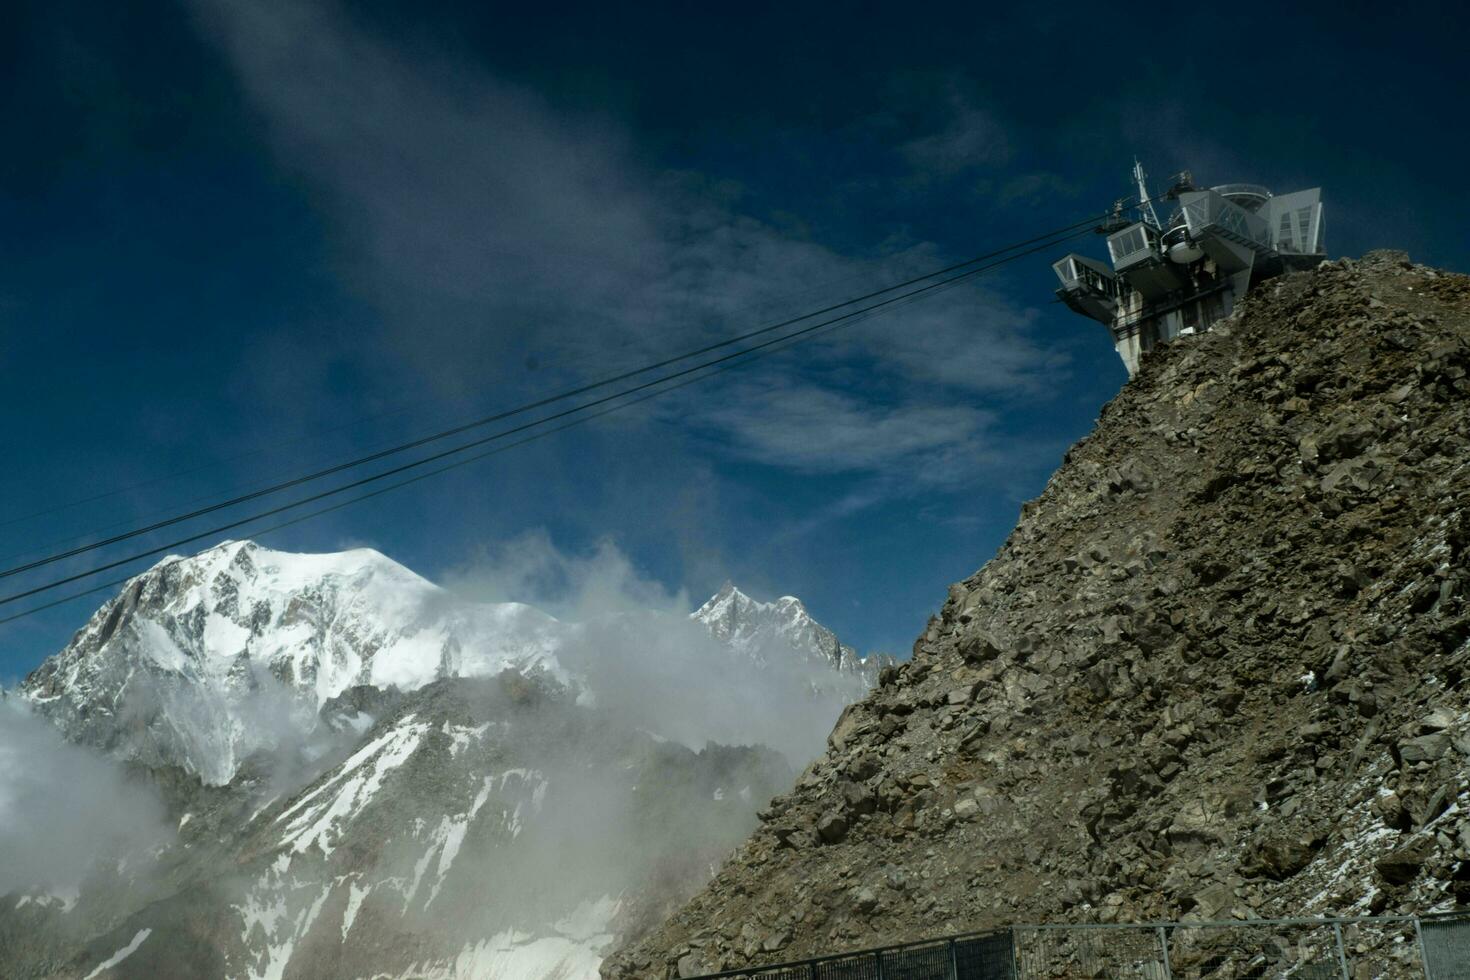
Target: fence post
{"x": 878, "y": 961}
{"x": 1164, "y": 949}
{"x": 954, "y": 962}
{"x": 1341, "y": 949}
{"x": 1423, "y": 959}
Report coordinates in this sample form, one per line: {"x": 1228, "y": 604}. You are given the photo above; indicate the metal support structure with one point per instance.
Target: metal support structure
{"x": 1341, "y": 950}
{"x": 878, "y": 963}
{"x": 1423, "y": 960}
{"x": 954, "y": 963}
{"x": 1164, "y": 952}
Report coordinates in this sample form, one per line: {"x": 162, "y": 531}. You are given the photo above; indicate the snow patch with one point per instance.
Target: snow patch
{"x": 356, "y": 784}
{"x": 121, "y": 954}
{"x": 355, "y": 896}
{"x": 462, "y": 735}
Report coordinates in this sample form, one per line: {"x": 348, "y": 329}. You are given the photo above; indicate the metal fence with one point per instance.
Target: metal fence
{"x": 1361, "y": 948}
{"x": 1261, "y": 949}
{"x": 1446, "y": 944}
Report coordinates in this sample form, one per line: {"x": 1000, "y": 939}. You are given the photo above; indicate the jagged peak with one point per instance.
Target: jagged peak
{"x": 730, "y": 595}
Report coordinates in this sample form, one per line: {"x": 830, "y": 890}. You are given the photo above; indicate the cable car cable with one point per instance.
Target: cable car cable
{"x": 522, "y": 409}
{"x": 300, "y": 518}
{"x": 804, "y": 333}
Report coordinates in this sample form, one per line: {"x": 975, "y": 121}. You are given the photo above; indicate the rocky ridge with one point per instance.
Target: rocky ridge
{"x": 1215, "y": 671}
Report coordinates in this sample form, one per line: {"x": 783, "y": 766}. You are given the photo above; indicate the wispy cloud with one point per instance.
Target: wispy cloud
{"x": 501, "y": 237}
{"x": 643, "y": 658}
{"x": 813, "y": 429}
{"x": 63, "y": 807}
{"x": 971, "y": 138}
{"x": 530, "y": 568}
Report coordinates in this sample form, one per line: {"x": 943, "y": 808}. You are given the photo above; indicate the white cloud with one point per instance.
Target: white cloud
{"x": 970, "y": 139}
{"x": 529, "y": 568}
{"x": 648, "y": 663}
{"x": 816, "y": 430}
{"x": 494, "y": 231}
{"x": 63, "y": 808}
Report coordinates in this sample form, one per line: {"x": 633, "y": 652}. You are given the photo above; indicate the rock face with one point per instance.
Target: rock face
{"x": 370, "y": 776}
{"x": 1217, "y": 669}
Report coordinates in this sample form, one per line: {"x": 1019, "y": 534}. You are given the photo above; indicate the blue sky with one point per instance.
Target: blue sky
{"x": 246, "y": 240}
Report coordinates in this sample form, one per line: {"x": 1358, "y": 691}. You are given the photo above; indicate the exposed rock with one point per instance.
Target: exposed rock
{"x": 1401, "y": 866}
{"x": 1425, "y": 748}
{"x": 1277, "y": 858}
{"x": 1221, "y": 666}
{"x": 832, "y": 827}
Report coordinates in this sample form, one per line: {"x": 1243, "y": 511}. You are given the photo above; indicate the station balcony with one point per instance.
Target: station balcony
{"x": 1228, "y": 233}
{"x": 1088, "y": 286}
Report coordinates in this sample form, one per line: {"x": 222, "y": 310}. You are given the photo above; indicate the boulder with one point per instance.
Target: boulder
{"x": 690, "y": 965}
{"x": 1401, "y": 866}
{"x": 864, "y": 899}
{"x": 979, "y": 646}
{"x": 1277, "y": 858}
{"x": 832, "y": 827}
{"x": 1425, "y": 748}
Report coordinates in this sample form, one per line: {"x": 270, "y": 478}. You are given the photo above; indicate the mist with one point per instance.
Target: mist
{"x": 600, "y": 782}
{"x": 645, "y": 662}
{"x": 65, "y": 808}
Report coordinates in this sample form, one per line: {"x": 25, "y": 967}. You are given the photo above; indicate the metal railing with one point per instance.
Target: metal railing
{"x": 1206, "y": 211}
{"x": 1355, "y": 948}
{"x": 969, "y": 956}
{"x": 1350, "y": 948}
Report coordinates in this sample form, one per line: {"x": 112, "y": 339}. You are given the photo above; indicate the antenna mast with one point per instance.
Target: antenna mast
{"x": 1145, "y": 203}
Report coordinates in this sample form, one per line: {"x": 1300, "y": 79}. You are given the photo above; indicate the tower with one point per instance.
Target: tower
{"x": 1186, "y": 275}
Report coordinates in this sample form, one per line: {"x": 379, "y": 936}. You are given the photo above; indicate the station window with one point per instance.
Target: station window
{"x": 1126, "y": 243}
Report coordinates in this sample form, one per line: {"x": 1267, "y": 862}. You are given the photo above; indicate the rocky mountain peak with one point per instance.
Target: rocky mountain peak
{"x": 1217, "y": 670}
{"x": 367, "y": 774}
{"x": 756, "y": 628}
{"x": 175, "y": 669}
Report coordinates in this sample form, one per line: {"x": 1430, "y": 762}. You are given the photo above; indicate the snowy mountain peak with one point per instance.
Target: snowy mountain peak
{"x": 203, "y": 661}
{"x": 177, "y": 668}
{"x": 761, "y": 630}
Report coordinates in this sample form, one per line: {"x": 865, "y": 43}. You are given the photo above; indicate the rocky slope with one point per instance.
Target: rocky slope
{"x": 366, "y": 775}
{"x": 1217, "y": 669}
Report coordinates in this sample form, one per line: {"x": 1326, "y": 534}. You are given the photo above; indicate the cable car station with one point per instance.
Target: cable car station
{"x": 1183, "y": 276}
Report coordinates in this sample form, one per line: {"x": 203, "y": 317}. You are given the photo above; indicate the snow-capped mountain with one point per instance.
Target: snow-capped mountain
{"x": 760, "y": 630}
{"x": 370, "y": 775}
{"x": 189, "y": 663}
{"x": 483, "y": 828}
